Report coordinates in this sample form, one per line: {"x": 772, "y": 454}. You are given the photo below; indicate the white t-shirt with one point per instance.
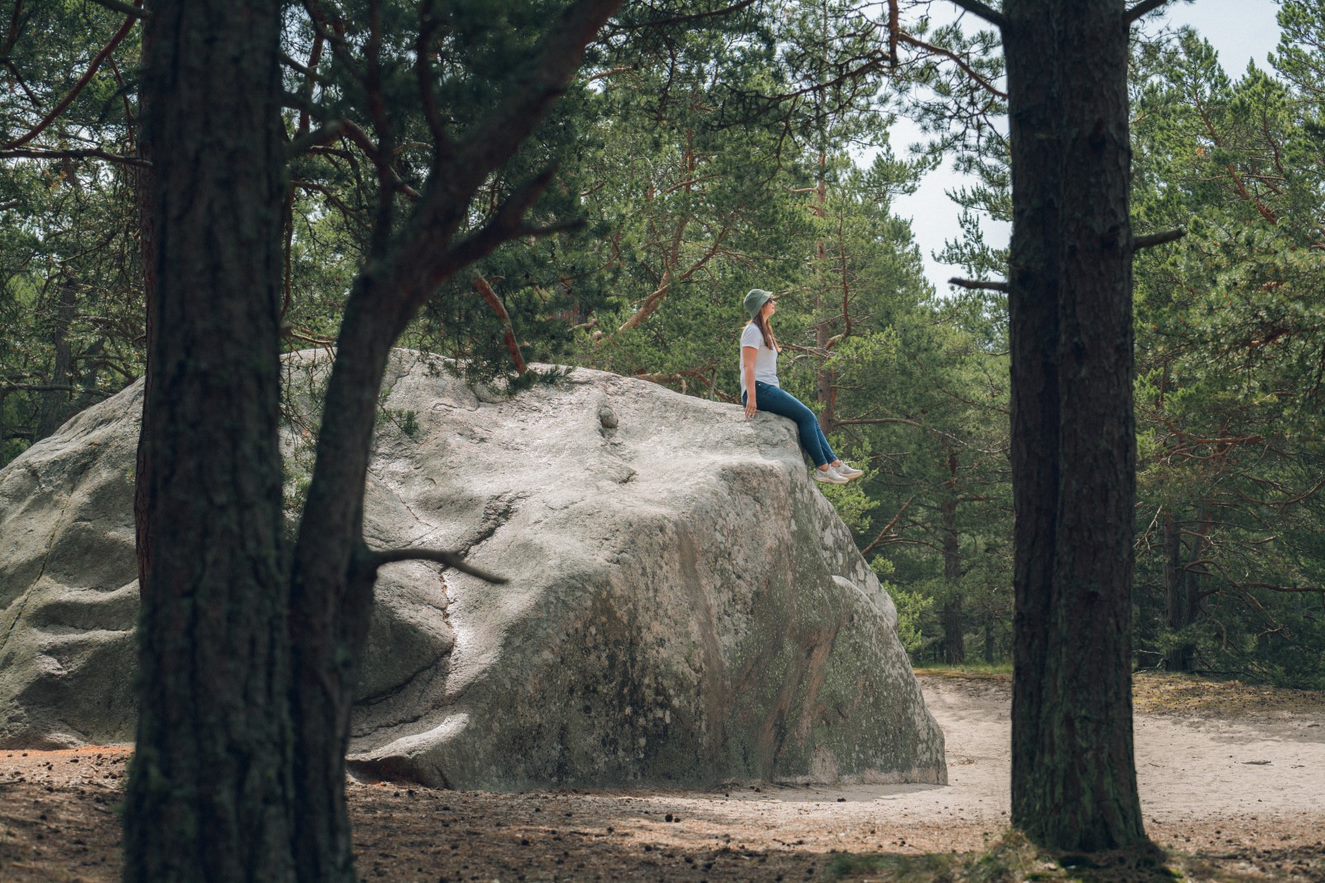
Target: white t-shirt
{"x": 766, "y": 358}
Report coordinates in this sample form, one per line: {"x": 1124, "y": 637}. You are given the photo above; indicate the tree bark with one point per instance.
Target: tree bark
{"x": 954, "y": 623}
{"x": 331, "y": 592}
{"x": 1073, "y": 454}
{"x": 1182, "y": 586}
{"x": 55, "y": 403}
{"x": 332, "y": 574}
{"x": 1178, "y": 657}
{"x": 824, "y": 379}
{"x": 954, "y": 630}
{"x": 142, "y": 178}
{"x": 209, "y": 796}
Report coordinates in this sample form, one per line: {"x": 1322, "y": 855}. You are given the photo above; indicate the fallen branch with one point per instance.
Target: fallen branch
{"x": 700, "y": 375}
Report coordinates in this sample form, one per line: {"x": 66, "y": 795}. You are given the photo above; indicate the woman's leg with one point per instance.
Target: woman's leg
{"x": 823, "y": 443}
{"x": 784, "y": 404}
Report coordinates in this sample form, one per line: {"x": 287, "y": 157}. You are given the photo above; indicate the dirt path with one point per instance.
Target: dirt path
{"x": 1237, "y": 786}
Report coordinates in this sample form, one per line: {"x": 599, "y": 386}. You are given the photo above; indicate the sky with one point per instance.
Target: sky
{"x": 1240, "y": 30}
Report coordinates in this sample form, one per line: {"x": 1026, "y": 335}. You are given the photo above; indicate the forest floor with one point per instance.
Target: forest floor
{"x": 1232, "y": 783}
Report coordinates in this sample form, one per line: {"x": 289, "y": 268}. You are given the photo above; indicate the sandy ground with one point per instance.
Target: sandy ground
{"x": 1232, "y": 784}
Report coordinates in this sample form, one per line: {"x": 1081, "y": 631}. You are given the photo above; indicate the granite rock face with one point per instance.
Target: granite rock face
{"x": 69, "y": 582}
{"x": 684, "y": 606}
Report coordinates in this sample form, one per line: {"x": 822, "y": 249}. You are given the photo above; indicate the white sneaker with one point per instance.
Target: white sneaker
{"x": 829, "y": 476}
{"x": 847, "y": 471}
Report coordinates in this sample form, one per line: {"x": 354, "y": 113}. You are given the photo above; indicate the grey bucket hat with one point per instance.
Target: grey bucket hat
{"x": 755, "y": 300}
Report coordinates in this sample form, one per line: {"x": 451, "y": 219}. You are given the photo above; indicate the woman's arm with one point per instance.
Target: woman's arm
{"x": 748, "y": 354}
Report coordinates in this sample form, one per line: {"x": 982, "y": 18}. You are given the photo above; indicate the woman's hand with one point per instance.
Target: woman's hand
{"x": 750, "y": 409}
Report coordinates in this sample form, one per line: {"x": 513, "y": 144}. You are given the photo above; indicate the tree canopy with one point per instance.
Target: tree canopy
{"x": 598, "y": 184}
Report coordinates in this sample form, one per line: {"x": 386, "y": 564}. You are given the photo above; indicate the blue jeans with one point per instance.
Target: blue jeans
{"x": 773, "y": 400}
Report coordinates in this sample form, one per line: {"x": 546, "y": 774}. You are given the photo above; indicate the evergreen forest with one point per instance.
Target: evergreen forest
{"x": 704, "y": 149}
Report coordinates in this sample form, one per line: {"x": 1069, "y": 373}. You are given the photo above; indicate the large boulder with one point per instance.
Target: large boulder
{"x": 684, "y": 605}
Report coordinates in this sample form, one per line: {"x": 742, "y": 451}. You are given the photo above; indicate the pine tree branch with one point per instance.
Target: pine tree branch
{"x": 388, "y": 177}
{"x": 333, "y": 33}
{"x": 674, "y": 20}
{"x": 493, "y": 141}
{"x": 1151, "y": 240}
{"x": 16, "y": 20}
{"x": 1145, "y": 7}
{"x": 123, "y": 8}
{"x": 374, "y": 92}
{"x": 506, "y": 224}
{"x": 311, "y": 79}
{"x": 424, "y": 255}
{"x": 884, "y": 534}
{"x": 22, "y": 83}
{"x": 608, "y": 74}
{"x": 429, "y": 24}
{"x": 1295, "y": 590}
{"x": 484, "y": 288}
{"x": 569, "y": 226}
{"x": 894, "y": 30}
{"x": 989, "y": 14}
{"x": 979, "y": 284}
{"x": 34, "y": 387}
{"x": 375, "y": 558}
{"x": 89, "y": 153}
{"x": 956, "y": 59}
{"x": 303, "y": 69}
{"x": 319, "y": 137}
{"x": 81, "y": 84}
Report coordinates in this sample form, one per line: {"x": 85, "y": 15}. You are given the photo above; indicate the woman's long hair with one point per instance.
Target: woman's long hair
{"x": 770, "y": 339}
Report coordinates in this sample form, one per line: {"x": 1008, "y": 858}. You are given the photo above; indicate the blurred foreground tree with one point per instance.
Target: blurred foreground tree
{"x": 249, "y": 650}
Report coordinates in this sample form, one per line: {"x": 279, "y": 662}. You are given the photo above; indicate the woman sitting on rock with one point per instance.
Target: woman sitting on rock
{"x": 760, "y": 390}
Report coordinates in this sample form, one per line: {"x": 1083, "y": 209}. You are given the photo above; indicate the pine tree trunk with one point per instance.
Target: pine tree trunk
{"x": 824, "y": 379}
{"x": 954, "y": 631}
{"x": 209, "y": 796}
{"x": 954, "y": 623}
{"x": 1178, "y": 657}
{"x": 332, "y": 572}
{"x": 55, "y": 403}
{"x": 1073, "y": 772}
{"x": 332, "y": 592}
{"x": 142, "y": 190}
